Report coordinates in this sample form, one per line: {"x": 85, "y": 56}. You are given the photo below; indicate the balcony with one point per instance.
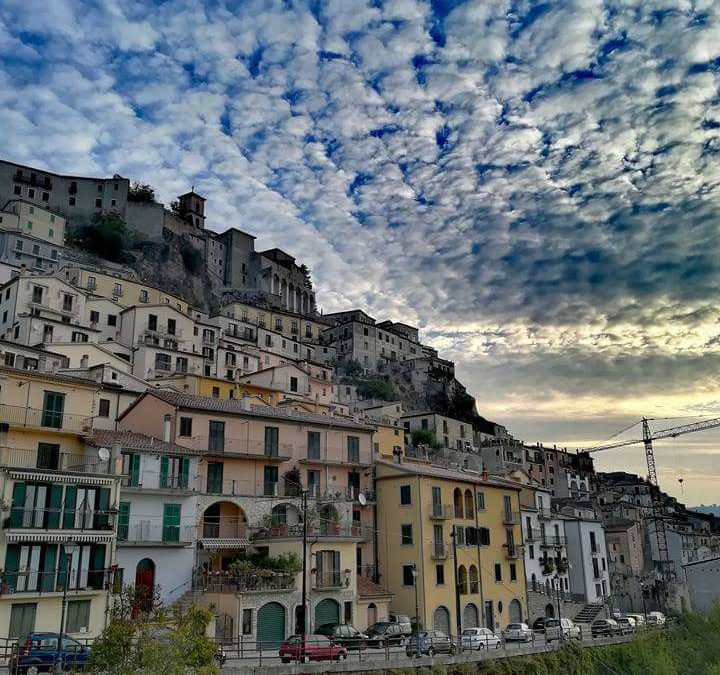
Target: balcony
{"x": 545, "y": 514}
{"x": 38, "y": 583}
{"x": 208, "y": 339}
{"x": 555, "y": 541}
{"x": 337, "y": 457}
{"x": 321, "y": 531}
{"x": 440, "y": 511}
{"x": 327, "y": 580}
{"x": 147, "y": 533}
{"x": 49, "y": 420}
{"x": 511, "y": 517}
{"x": 156, "y": 482}
{"x": 250, "y": 581}
{"x": 242, "y": 448}
{"x": 44, "y": 182}
{"x": 159, "y": 331}
{"x": 439, "y": 550}
{"x": 57, "y": 462}
{"x": 513, "y": 551}
{"x": 70, "y": 518}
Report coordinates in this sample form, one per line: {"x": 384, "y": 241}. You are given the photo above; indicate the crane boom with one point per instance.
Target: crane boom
{"x": 671, "y": 432}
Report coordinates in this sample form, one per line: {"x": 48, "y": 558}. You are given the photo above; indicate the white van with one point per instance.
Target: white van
{"x": 565, "y": 629}
{"x": 656, "y": 619}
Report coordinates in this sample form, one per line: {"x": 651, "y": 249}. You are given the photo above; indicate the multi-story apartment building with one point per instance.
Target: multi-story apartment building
{"x": 18, "y": 215}
{"x": 256, "y": 462}
{"x": 61, "y": 499}
{"x": 157, "y": 522}
{"x": 76, "y": 197}
{"x": 22, "y": 357}
{"x": 214, "y": 387}
{"x": 448, "y": 432}
{"x": 356, "y": 337}
{"x": 453, "y": 540}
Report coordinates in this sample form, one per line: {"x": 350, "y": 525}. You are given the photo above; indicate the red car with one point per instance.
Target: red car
{"x": 316, "y": 648}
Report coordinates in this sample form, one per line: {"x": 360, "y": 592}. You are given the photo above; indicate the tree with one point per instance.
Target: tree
{"x": 424, "y": 437}
{"x": 106, "y": 236}
{"x": 191, "y": 257}
{"x": 377, "y": 388}
{"x": 353, "y": 368}
{"x": 306, "y": 273}
{"x": 293, "y": 482}
{"x": 141, "y": 192}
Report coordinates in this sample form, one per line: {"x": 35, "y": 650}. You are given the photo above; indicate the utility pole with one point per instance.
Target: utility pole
{"x": 458, "y": 618}
{"x": 304, "y": 569}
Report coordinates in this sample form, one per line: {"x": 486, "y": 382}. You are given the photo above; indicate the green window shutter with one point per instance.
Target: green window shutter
{"x": 171, "y": 522}
{"x": 96, "y": 575}
{"x": 164, "y": 472}
{"x": 185, "y": 472}
{"x": 215, "y": 478}
{"x": 47, "y": 583}
{"x": 271, "y": 441}
{"x": 62, "y": 567}
{"x": 53, "y": 408}
{"x": 56, "y": 493}
{"x": 12, "y": 565}
{"x": 123, "y": 521}
{"x": 102, "y": 513}
{"x": 70, "y": 501}
{"x": 18, "y": 505}
{"x": 134, "y": 470}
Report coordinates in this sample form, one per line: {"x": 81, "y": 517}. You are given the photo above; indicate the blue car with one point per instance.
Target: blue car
{"x": 38, "y": 652}
{"x": 429, "y": 643}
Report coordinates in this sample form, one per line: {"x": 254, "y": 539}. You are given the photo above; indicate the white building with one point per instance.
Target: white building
{"x": 703, "y": 582}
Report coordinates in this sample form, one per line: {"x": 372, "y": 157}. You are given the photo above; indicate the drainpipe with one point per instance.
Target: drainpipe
{"x": 480, "y": 574}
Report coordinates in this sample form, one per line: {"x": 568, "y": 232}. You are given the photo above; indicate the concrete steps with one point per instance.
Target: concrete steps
{"x": 588, "y": 613}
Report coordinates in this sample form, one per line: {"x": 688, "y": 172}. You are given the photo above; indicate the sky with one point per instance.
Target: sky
{"x": 536, "y": 185}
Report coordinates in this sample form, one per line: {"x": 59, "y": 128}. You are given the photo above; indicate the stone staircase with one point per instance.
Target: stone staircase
{"x": 588, "y": 613}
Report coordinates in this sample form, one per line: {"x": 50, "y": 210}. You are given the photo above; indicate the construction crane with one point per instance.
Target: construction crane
{"x": 647, "y": 440}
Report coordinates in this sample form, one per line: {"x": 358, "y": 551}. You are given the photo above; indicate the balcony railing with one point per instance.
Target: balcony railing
{"x": 159, "y": 331}
{"x": 323, "y": 530}
{"x": 440, "y": 511}
{"x": 76, "y": 517}
{"x": 44, "y": 182}
{"x": 34, "y": 418}
{"x": 511, "y": 517}
{"x": 228, "y": 528}
{"x": 282, "y": 488}
{"x": 147, "y": 532}
{"x": 242, "y": 447}
{"x": 32, "y": 581}
{"x": 554, "y": 541}
{"x": 545, "y": 514}
{"x": 329, "y": 579}
{"x": 439, "y": 550}
{"x": 513, "y": 551}
{"x": 155, "y": 480}
{"x": 244, "y": 582}
{"x": 49, "y": 460}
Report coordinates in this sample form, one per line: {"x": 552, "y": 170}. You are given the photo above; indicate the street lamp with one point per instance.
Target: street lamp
{"x": 417, "y": 611}
{"x": 69, "y": 547}
{"x": 642, "y": 592}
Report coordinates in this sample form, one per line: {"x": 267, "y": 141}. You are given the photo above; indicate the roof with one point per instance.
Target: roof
{"x": 59, "y": 175}
{"x": 369, "y": 589}
{"x": 16, "y": 345}
{"x": 53, "y": 377}
{"x": 449, "y": 474}
{"x": 237, "y": 407}
{"x": 132, "y": 440}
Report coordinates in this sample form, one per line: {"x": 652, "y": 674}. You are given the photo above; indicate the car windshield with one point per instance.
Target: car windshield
{"x": 379, "y": 628}
{"x": 470, "y": 631}
{"x": 552, "y": 623}
{"x": 515, "y": 626}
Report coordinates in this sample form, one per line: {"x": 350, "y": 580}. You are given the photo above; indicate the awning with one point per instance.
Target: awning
{"x": 224, "y": 543}
{"x": 44, "y": 536}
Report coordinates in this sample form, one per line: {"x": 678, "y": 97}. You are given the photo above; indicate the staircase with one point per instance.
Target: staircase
{"x": 187, "y": 600}
{"x": 588, "y": 613}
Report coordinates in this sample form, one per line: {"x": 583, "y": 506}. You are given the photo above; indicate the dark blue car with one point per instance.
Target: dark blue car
{"x": 38, "y": 652}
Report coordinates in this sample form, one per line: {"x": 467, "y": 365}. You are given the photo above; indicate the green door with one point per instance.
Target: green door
{"x": 270, "y": 626}
{"x": 123, "y": 527}
{"x": 171, "y": 523}
{"x": 22, "y": 619}
{"x": 53, "y": 407}
{"x": 215, "y": 478}
{"x": 327, "y": 611}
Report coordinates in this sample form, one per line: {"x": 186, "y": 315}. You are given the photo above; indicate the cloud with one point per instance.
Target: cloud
{"x": 534, "y": 184}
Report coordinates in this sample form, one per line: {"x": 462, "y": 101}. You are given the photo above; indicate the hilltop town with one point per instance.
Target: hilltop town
{"x": 182, "y": 426}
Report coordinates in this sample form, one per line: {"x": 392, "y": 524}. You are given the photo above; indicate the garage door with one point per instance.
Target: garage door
{"x": 271, "y": 626}
{"x": 515, "y": 611}
{"x": 470, "y": 616}
{"x": 327, "y": 611}
{"x": 441, "y": 620}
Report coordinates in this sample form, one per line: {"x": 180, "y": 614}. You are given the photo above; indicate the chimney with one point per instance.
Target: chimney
{"x": 84, "y": 361}
{"x": 245, "y": 402}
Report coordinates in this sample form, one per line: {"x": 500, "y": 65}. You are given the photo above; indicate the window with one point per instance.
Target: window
{"x": 171, "y": 523}
{"x": 424, "y": 423}
{"x": 405, "y": 495}
{"x": 123, "y": 527}
{"x": 513, "y": 572}
{"x": 104, "y": 408}
{"x": 143, "y": 296}
{"x": 480, "y": 501}
{"x": 439, "y": 575}
{"x": 407, "y": 575}
{"x": 186, "y": 427}
{"x": 162, "y": 361}
{"x": 17, "y": 190}
{"x": 271, "y": 441}
{"x": 498, "y": 572}
{"x": 9, "y": 359}
{"x": 313, "y": 444}
{"x": 247, "y": 621}
{"x": 37, "y": 294}
{"x": 216, "y": 392}
{"x": 293, "y": 384}
{"x": 216, "y": 436}
{"x": 112, "y": 320}
{"x": 353, "y": 448}
{"x": 98, "y": 203}
{"x": 78, "y": 616}
{"x": 94, "y": 316}
{"x": 406, "y": 534}
{"x": 77, "y": 336}
{"x": 18, "y": 245}
{"x": 22, "y": 619}
{"x": 53, "y": 407}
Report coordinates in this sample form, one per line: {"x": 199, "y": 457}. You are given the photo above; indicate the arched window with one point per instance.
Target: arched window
{"x": 474, "y": 580}
{"x": 279, "y": 514}
{"x": 458, "y": 502}
{"x": 441, "y": 620}
{"x": 462, "y": 579}
{"x": 469, "y": 505}
{"x": 515, "y": 611}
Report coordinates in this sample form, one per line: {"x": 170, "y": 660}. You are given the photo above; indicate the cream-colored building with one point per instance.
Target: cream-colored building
{"x": 60, "y": 501}
{"x": 448, "y": 432}
{"x": 34, "y": 220}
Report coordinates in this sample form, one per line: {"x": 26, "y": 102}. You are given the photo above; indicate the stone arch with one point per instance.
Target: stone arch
{"x": 549, "y": 611}
{"x": 285, "y": 513}
{"x": 441, "y": 619}
{"x": 224, "y": 520}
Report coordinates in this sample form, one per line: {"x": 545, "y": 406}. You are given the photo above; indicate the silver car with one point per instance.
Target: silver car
{"x": 479, "y": 638}
{"x": 561, "y": 629}
{"x": 518, "y": 632}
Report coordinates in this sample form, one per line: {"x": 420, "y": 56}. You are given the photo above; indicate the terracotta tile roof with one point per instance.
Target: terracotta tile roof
{"x": 237, "y": 407}
{"x": 467, "y": 476}
{"x": 131, "y": 440}
{"x": 369, "y": 589}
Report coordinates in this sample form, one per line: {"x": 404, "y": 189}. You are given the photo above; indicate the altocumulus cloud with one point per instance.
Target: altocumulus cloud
{"x": 535, "y": 184}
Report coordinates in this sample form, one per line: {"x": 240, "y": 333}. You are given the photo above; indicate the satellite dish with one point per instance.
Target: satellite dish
{"x": 104, "y": 454}
{"x": 362, "y": 499}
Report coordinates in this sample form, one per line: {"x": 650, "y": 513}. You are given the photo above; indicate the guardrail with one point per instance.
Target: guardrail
{"x": 35, "y": 418}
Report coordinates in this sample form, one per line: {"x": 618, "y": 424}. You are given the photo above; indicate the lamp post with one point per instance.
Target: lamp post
{"x": 69, "y": 547}
{"x": 642, "y": 592}
{"x": 417, "y": 611}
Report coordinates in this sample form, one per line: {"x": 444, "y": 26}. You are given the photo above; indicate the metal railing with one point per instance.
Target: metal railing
{"x": 440, "y": 511}
{"x": 229, "y": 528}
{"x": 243, "y": 582}
{"x": 75, "y": 517}
{"x": 439, "y": 550}
{"x": 33, "y": 581}
{"x": 513, "y": 551}
{"x": 329, "y": 579}
{"x": 153, "y": 533}
{"x": 511, "y": 517}
{"x": 295, "y": 531}
{"x": 554, "y": 541}
{"x": 25, "y": 458}
{"x": 239, "y": 446}
{"x": 162, "y": 332}
{"x": 44, "y": 419}
{"x": 155, "y": 480}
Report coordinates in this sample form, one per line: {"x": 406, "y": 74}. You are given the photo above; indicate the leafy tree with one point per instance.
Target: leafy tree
{"x": 141, "y": 192}
{"x": 424, "y": 437}
{"x": 191, "y": 257}
{"x": 377, "y": 388}
{"x": 106, "y": 236}
{"x": 293, "y": 482}
{"x": 353, "y": 368}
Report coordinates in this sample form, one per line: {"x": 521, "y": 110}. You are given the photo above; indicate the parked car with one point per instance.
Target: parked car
{"x": 561, "y": 629}
{"x": 656, "y": 619}
{"x": 343, "y": 634}
{"x": 518, "y": 632}
{"x": 311, "y": 648}
{"x": 626, "y": 624}
{"x": 384, "y": 632}
{"x": 639, "y": 620}
{"x": 605, "y": 628}
{"x": 38, "y": 652}
{"x": 429, "y": 643}
{"x": 539, "y": 624}
{"x": 479, "y": 638}
{"x": 403, "y": 621}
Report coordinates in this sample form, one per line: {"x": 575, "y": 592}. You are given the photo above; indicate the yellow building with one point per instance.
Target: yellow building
{"x": 60, "y": 502}
{"x": 388, "y": 439}
{"x": 216, "y": 387}
{"x": 126, "y": 292}
{"x": 420, "y": 508}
